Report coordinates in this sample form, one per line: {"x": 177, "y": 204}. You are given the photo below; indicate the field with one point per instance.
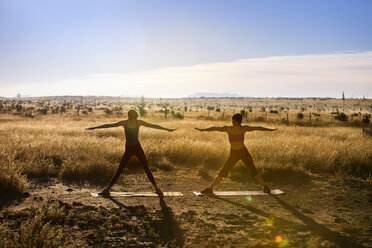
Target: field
{"x": 320, "y": 156}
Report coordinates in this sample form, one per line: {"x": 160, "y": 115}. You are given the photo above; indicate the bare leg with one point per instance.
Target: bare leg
{"x": 142, "y": 158}
{"x": 247, "y": 159}
{"x": 231, "y": 160}
{"x": 259, "y": 179}
{"x": 123, "y": 162}
{"x": 216, "y": 181}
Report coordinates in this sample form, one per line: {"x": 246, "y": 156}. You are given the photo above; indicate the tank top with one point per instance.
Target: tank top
{"x": 236, "y": 138}
{"x": 131, "y": 135}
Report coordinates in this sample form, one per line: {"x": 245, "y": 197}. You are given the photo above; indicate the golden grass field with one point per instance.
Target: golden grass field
{"x": 38, "y": 147}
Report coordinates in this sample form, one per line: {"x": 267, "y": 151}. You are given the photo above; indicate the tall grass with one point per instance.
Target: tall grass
{"x": 38, "y": 226}
{"x": 13, "y": 182}
{"x": 61, "y": 147}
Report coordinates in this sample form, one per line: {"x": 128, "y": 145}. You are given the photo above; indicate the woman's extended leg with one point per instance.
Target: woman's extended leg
{"x": 140, "y": 154}
{"x": 248, "y": 161}
{"x": 123, "y": 162}
{"x": 230, "y": 162}
{"x": 142, "y": 158}
{"x": 216, "y": 181}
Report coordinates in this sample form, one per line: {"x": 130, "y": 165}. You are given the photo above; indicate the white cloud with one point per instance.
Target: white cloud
{"x": 305, "y": 75}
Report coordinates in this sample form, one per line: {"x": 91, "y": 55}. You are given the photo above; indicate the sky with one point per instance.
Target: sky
{"x": 259, "y": 48}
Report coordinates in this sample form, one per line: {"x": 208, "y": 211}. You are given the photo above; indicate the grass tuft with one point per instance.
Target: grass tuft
{"x": 40, "y": 227}
{"x": 12, "y": 182}
{"x": 164, "y": 164}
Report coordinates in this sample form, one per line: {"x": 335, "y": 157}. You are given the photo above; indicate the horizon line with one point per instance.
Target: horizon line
{"x": 185, "y": 97}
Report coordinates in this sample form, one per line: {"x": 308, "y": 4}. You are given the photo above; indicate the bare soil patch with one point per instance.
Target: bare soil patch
{"x": 324, "y": 211}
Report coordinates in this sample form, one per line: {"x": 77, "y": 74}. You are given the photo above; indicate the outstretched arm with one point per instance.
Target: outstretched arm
{"x": 218, "y": 129}
{"x": 143, "y": 123}
{"x": 259, "y": 128}
{"x": 117, "y": 124}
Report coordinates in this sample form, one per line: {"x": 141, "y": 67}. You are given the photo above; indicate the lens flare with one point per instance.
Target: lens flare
{"x": 249, "y": 198}
{"x": 278, "y": 239}
{"x": 282, "y": 243}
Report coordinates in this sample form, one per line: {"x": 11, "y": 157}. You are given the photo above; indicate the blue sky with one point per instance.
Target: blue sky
{"x": 45, "y": 45}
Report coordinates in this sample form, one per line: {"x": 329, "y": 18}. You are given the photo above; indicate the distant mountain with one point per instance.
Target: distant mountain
{"x": 214, "y": 95}
{"x": 21, "y": 96}
{"x": 129, "y": 96}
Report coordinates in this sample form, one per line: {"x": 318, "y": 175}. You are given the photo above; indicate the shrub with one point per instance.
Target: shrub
{"x": 12, "y": 182}
{"x": 259, "y": 119}
{"x": 141, "y": 107}
{"x": 367, "y": 131}
{"x": 164, "y": 164}
{"x": 19, "y": 108}
{"x": 42, "y": 168}
{"x": 177, "y": 115}
{"x": 341, "y": 117}
{"x": 38, "y": 230}
{"x": 366, "y": 119}
{"x": 142, "y": 111}
{"x": 108, "y": 111}
{"x": 43, "y": 111}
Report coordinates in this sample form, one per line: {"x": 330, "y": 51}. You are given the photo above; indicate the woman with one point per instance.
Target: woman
{"x": 132, "y": 147}
{"x": 238, "y": 152}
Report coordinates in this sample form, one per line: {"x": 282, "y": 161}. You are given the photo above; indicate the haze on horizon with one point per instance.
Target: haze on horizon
{"x": 177, "y": 48}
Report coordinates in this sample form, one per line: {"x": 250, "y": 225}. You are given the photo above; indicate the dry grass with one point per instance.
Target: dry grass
{"x": 13, "y": 182}
{"x": 57, "y": 145}
{"x": 61, "y": 147}
{"x": 36, "y": 227}
{"x": 54, "y": 223}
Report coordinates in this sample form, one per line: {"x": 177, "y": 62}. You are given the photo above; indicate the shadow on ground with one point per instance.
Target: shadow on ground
{"x": 166, "y": 226}
{"x": 309, "y": 223}
{"x": 320, "y": 229}
{"x": 169, "y": 227}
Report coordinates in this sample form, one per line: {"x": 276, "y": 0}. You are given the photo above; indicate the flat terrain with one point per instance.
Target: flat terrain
{"x": 319, "y": 212}
{"x": 320, "y": 156}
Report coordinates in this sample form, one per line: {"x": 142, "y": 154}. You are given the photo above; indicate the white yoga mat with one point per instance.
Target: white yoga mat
{"x": 242, "y": 193}
{"x": 137, "y": 194}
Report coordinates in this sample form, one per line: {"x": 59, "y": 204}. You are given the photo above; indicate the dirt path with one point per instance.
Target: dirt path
{"x": 323, "y": 212}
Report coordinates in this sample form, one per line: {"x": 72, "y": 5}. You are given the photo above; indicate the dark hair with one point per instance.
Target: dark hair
{"x": 238, "y": 118}
{"x": 132, "y": 114}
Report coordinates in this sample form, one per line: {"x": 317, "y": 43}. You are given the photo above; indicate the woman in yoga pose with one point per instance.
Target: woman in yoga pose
{"x": 238, "y": 152}
{"x": 132, "y": 147}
